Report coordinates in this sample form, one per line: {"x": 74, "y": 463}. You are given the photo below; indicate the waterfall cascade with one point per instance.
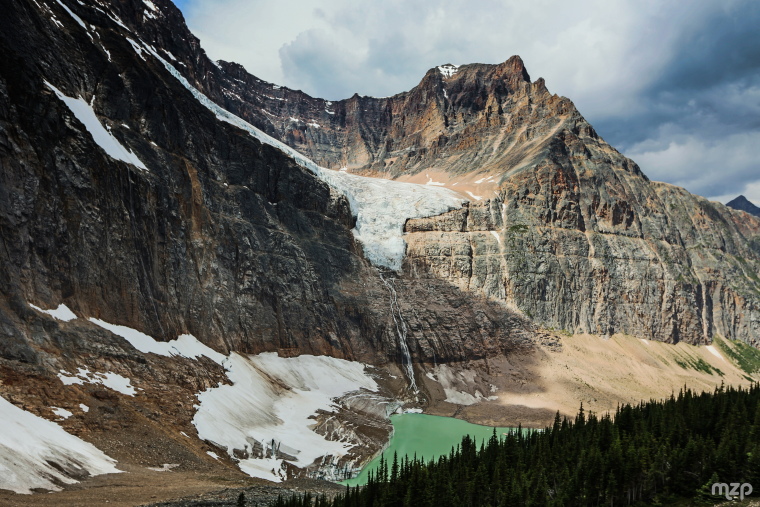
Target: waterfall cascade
{"x": 401, "y": 331}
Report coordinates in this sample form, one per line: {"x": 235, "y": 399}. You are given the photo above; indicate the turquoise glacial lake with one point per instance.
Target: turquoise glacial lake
{"x": 429, "y": 436}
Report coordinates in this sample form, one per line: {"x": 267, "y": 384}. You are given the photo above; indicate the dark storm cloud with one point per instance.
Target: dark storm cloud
{"x": 697, "y": 123}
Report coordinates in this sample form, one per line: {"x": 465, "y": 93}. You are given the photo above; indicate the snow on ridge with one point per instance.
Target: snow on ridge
{"x": 76, "y": 18}
{"x": 151, "y": 5}
{"x": 62, "y": 313}
{"x": 37, "y": 453}
{"x": 381, "y": 206}
{"x": 448, "y": 70}
{"x": 102, "y": 137}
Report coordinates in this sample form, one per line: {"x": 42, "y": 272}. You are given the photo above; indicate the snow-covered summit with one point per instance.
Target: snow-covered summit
{"x": 448, "y": 70}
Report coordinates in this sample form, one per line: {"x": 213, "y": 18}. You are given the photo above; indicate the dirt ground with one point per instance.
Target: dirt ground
{"x": 596, "y": 371}
{"x": 137, "y": 486}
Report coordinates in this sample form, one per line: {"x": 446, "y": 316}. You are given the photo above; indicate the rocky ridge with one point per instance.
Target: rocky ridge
{"x": 743, "y": 204}
{"x": 560, "y": 225}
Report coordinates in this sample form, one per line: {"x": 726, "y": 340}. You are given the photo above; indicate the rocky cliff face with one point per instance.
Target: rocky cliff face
{"x": 220, "y": 236}
{"x": 560, "y": 225}
{"x": 127, "y": 199}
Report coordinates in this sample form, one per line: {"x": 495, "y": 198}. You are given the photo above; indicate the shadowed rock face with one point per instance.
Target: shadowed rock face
{"x": 743, "y": 204}
{"x": 222, "y": 237}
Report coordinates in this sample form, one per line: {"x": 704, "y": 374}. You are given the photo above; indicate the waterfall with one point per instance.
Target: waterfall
{"x": 401, "y": 331}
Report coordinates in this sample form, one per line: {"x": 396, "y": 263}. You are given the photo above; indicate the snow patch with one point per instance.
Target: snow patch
{"x": 117, "y": 20}
{"x": 434, "y": 183}
{"x": 271, "y": 402}
{"x": 108, "y": 53}
{"x": 166, "y": 467}
{"x": 61, "y": 412}
{"x": 84, "y": 407}
{"x": 213, "y": 455}
{"x": 61, "y": 313}
{"x": 715, "y": 352}
{"x": 76, "y": 18}
{"x": 448, "y": 70}
{"x": 151, "y": 5}
{"x": 102, "y": 137}
{"x": 111, "y": 380}
{"x": 185, "y": 345}
{"x": 115, "y": 381}
{"x": 36, "y": 453}
{"x": 136, "y": 47}
{"x": 169, "y": 54}
{"x": 476, "y": 197}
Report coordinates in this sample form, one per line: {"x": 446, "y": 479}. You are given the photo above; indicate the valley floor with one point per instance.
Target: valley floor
{"x": 596, "y": 371}
{"x": 506, "y": 391}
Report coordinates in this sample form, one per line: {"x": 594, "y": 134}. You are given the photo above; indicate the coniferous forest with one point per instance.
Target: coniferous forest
{"x": 655, "y": 452}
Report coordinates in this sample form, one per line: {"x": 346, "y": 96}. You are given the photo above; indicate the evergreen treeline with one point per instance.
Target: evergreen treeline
{"x": 655, "y": 452}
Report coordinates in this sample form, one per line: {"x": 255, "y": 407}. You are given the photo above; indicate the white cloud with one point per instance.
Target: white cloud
{"x": 717, "y": 169}
{"x": 381, "y": 48}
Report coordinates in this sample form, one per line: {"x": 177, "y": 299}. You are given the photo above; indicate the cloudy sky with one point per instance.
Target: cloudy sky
{"x": 675, "y": 85}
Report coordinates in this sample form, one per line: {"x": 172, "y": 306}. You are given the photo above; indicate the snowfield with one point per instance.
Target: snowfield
{"x": 271, "y": 403}
{"x": 37, "y": 453}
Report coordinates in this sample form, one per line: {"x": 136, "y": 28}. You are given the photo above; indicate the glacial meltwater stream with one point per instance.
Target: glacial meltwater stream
{"x": 428, "y": 436}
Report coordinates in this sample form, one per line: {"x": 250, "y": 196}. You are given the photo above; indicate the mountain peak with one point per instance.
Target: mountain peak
{"x": 743, "y": 204}
{"x": 515, "y": 65}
